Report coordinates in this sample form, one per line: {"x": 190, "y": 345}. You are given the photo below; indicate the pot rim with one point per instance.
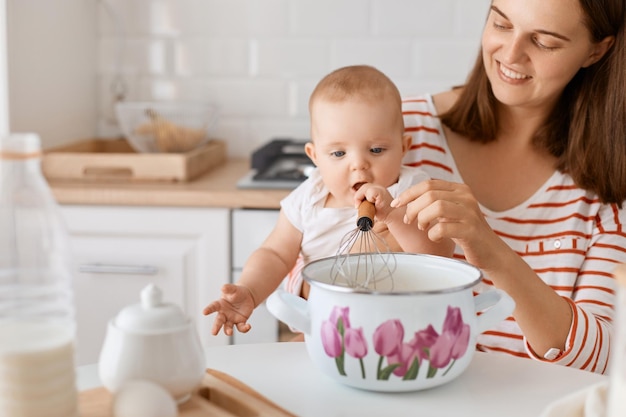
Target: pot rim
{"x": 341, "y": 289}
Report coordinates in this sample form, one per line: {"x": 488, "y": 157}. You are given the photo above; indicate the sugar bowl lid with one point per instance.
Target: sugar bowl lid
{"x": 151, "y": 315}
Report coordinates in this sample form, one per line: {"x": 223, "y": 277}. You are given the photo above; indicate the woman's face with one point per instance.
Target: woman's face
{"x": 533, "y": 48}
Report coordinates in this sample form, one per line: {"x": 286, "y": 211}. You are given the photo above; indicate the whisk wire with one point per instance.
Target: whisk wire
{"x": 363, "y": 259}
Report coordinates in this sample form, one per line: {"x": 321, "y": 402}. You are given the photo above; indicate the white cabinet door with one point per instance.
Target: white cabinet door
{"x": 119, "y": 250}
{"x": 250, "y": 228}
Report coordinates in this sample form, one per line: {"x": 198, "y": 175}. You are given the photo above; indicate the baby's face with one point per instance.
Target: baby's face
{"x": 355, "y": 142}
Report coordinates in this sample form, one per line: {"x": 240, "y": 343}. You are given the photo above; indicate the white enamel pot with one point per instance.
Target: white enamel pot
{"x": 419, "y": 334}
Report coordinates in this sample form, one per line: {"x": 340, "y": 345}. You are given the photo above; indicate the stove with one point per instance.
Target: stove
{"x": 279, "y": 164}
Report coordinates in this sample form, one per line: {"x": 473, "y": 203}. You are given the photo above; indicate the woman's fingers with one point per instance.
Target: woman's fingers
{"x": 444, "y": 210}
{"x": 449, "y": 210}
{"x": 414, "y": 192}
{"x": 432, "y": 205}
{"x": 433, "y": 195}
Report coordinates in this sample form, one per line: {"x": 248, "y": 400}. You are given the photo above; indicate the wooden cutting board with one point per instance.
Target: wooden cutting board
{"x": 219, "y": 395}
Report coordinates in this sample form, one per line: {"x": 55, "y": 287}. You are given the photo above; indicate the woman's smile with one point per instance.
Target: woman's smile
{"x": 509, "y": 75}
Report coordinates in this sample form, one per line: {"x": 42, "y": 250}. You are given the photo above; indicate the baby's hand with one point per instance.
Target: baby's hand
{"x": 233, "y": 309}
{"x": 378, "y": 195}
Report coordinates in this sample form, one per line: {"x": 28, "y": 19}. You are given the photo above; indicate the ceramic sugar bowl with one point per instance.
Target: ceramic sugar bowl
{"x": 155, "y": 341}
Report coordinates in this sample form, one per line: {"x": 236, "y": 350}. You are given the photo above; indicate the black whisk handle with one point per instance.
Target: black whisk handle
{"x": 365, "y": 219}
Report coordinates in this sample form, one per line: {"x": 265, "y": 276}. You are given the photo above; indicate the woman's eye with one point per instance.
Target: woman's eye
{"x": 542, "y": 45}
{"x": 500, "y": 25}
{"x": 338, "y": 154}
{"x": 376, "y": 150}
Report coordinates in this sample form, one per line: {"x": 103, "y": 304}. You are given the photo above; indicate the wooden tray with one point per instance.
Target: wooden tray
{"x": 115, "y": 160}
{"x": 219, "y": 395}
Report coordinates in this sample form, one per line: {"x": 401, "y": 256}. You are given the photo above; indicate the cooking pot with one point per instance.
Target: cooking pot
{"x": 155, "y": 341}
{"x": 417, "y": 334}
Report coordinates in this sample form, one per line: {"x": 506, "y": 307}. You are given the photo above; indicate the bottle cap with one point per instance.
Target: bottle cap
{"x": 20, "y": 143}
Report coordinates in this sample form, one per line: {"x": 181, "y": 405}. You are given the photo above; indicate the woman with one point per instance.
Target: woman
{"x": 529, "y": 161}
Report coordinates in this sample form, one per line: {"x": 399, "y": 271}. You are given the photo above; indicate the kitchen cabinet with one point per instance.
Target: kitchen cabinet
{"x": 250, "y": 227}
{"x": 118, "y": 250}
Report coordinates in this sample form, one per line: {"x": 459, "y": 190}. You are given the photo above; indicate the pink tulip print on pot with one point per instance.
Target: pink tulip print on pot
{"x": 417, "y": 335}
{"x": 425, "y": 350}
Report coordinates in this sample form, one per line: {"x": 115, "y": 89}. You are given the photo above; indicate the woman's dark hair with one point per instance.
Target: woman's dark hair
{"x": 586, "y": 130}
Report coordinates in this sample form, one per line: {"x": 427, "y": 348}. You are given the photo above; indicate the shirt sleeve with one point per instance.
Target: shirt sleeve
{"x": 588, "y": 343}
{"x": 409, "y": 176}
{"x": 292, "y": 205}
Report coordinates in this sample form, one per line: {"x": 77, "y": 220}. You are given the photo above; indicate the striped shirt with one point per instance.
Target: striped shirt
{"x": 567, "y": 236}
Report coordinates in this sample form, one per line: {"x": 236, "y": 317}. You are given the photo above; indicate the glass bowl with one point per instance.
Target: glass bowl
{"x": 178, "y": 127}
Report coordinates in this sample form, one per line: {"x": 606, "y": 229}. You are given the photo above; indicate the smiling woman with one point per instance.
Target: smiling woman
{"x": 529, "y": 162}
{"x": 575, "y": 107}
{"x": 510, "y": 48}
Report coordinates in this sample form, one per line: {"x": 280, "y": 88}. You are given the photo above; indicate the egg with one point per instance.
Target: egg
{"x": 143, "y": 398}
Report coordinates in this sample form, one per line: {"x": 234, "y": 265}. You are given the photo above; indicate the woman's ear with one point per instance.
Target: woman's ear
{"x": 407, "y": 140}
{"x": 309, "y": 149}
{"x": 599, "y": 50}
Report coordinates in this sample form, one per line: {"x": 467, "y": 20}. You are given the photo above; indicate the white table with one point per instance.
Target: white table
{"x": 493, "y": 385}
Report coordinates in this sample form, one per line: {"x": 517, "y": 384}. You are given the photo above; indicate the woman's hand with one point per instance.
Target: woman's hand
{"x": 456, "y": 215}
{"x": 399, "y": 234}
{"x": 233, "y": 309}
{"x": 450, "y": 210}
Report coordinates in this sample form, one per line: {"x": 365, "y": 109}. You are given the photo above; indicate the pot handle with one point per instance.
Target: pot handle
{"x": 499, "y": 304}
{"x": 290, "y": 309}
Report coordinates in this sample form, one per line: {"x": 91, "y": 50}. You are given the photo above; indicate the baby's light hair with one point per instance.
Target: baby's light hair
{"x": 357, "y": 81}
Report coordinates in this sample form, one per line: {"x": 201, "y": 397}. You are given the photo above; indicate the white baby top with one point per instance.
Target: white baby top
{"x": 323, "y": 228}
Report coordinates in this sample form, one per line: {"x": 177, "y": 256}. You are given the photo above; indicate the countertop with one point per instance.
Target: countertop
{"x": 216, "y": 188}
{"x": 494, "y": 385}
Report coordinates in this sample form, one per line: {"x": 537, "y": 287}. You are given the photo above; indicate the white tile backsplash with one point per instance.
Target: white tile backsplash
{"x": 198, "y": 57}
{"x": 469, "y": 17}
{"x": 259, "y": 60}
{"x": 259, "y": 97}
{"x": 393, "y": 56}
{"x": 291, "y": 58}
{"x": 414, "y": 18}
{"x": 330, "y": 18}
{"x": 443, "y": 58}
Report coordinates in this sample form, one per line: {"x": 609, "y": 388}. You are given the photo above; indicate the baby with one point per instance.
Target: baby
{"x": 357, "y": 145}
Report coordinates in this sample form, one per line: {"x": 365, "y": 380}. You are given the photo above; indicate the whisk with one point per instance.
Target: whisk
{"x": 364, "y": 259}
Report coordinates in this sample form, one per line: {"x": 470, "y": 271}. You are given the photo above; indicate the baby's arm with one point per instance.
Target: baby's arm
{"x": 408, "y": 236}
{"x": 262, "y": 274}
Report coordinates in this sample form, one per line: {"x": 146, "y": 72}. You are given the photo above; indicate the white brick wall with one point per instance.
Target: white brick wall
{"x": 258, "y": 60}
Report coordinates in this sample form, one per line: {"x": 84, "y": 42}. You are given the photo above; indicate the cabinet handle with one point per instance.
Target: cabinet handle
{"x": 118, "y": 269}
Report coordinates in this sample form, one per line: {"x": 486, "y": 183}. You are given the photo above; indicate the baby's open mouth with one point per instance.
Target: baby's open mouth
{"x": 358, "y": 185}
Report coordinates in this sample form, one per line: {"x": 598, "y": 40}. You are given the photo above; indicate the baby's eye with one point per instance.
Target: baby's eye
{"x": 376, "y": 150}
{"x": 338, "y": 154}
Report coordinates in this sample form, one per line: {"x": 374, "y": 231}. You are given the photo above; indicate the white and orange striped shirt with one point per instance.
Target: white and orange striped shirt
{"x": 568, "y": 237}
